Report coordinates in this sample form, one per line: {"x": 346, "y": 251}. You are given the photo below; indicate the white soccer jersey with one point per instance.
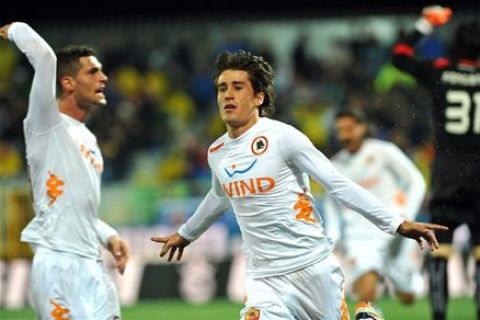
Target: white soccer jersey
{"x": 64, "y": 162}
{"x": 387, "y": 173}
{"x": 263, "y": 175}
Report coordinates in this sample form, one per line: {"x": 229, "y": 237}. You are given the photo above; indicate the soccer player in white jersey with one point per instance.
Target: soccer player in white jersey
{"x": 387, "y": 173}
{"x": 260, "y": 167}
{"x": 68, "y": 279}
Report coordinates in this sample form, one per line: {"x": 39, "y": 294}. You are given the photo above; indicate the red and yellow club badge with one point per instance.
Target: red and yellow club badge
{"x": 252, "y": 314}
{"x": 259, "y": 145}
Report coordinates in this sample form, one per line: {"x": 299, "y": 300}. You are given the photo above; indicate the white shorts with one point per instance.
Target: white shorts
{"x": 314, "y": 293}
{"x": 398, "y": 263}
{"x": 72, "y": 287}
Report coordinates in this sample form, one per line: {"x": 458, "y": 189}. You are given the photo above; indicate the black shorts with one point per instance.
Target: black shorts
{"x": 456, "y": 195}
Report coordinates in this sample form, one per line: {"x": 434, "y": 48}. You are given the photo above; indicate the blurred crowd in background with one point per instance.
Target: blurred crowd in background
{"x": 162, "y": 114}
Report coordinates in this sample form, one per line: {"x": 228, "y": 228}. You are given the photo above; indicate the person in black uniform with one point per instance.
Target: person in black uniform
{"x": 454, "y": 85}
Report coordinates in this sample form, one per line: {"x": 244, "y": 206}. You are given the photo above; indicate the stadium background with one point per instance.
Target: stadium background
{"x": 162, "y": 116}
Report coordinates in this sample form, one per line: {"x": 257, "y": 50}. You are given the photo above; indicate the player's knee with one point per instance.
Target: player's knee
{"x": 405, "y": 298}
{"x": 444, "y": 251}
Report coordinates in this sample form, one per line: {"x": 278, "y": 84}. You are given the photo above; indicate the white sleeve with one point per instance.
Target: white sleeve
{"x": 409, "y": 179}
{"x": 333, "y": 218}
{"x": 214, "y": 205}
{"x": 104, "y": 232}
{"x": 299, "y": 151}
{"x": 43, "y": 111}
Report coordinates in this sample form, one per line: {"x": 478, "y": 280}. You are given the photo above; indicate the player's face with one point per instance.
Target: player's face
{"x": 238, "y": 104}
{"x": 90, "y": 83}
{"x": 350, "y": 133}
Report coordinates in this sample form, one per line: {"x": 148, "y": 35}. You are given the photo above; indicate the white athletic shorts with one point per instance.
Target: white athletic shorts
{"x": 314, "y": 293}
{"x": 399, "y": 264}
{"x": 67, "y": 286}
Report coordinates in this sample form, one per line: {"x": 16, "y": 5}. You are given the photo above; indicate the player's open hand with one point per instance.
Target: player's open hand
{"x": 4, "y": 31}
{"x": 171, "y": 244}
{"x": 119, "y": 249}
{"x": 421, "y": 232}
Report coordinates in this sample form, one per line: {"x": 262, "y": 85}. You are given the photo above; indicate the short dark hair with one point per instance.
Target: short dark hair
{"x": 259, "y": 71}
{"x": 68, "y": 61}
{"x": 466, "y": 41}
{"x": 355, "y": 115}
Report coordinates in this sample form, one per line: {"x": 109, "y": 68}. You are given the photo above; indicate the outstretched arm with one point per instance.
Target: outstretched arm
{"x": 43, "y": 111}
{"x": 300, "y": 151}
{"x": 210, "y": 209}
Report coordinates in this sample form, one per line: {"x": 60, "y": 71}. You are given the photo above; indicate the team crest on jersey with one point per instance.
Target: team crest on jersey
{"x": 252, "y": 314}
{"x": 259, "y": 145}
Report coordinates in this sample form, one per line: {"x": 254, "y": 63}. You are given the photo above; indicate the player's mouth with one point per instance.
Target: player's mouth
{"x": 100, "y": 92}
{"x": 229, "y": 107}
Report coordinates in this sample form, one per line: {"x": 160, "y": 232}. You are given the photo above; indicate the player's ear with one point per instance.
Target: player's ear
{"x": 67, "y": 83}
{"x": 259, "y": 97}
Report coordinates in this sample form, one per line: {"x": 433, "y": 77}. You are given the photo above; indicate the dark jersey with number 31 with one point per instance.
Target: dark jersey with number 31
{"x": 454, "y": 86}
{"x": 455, "y": 91}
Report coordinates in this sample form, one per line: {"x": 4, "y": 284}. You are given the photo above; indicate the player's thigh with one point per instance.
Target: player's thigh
{"x": 72, "y": 287}
{"x": 404, "y": 270}
{"x": 105, "y": 304}
{"x": 319, "y": 291}
{"x": 263, "y": 301}
{"x": 55, "y": 282}
{"x": 362, "y": 257}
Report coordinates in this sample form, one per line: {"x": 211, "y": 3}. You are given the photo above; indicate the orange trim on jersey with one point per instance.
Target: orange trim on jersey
{"x": 53, "y": 184}
{"x": 216, "y": 148}
{"x": 403, "y": 49}
{"x": 344, "y": 314}
{"x": 59, "y": 312}
{"x": 441, "y": 63}
{"x": 304, "y": 208}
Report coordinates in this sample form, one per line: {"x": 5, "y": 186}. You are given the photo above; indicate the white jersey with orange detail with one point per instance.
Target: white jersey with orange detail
{"x": 64, "y": 162}
{"x": 388, "y": 174}
{"x": 263, "y": 175}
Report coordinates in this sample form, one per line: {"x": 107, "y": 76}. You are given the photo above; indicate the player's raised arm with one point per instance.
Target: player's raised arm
{"x": 43, "y": 112}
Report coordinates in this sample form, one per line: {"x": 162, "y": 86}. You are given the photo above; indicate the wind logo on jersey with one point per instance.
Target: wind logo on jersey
{"x": 259, "y": 145}
{"x": 53, "y": 185}
{"x": 243, "y": 188}
{"x": 91, "y": 157}
{"x": 216, "y": 148}
{"x": 234, "y": 172}
{"x": 304, "y": 209}
{"x": 252, "y": 314}
{"x": 59, "y": 312}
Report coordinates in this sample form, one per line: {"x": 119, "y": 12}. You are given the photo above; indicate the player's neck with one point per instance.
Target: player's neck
{"x": 355, "y": 148}
{"x": 235, "y": 131}
{"x": 70, "y": 107}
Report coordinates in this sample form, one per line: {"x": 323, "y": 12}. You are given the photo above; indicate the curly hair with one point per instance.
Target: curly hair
{"x": 259, "y": 71}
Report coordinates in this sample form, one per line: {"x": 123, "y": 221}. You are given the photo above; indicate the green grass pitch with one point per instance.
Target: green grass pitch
{"x": 459, "y": 309}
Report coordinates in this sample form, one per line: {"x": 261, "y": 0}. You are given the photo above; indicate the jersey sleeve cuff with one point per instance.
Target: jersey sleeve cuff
{"x": 183, "y": 232}
{"x": 423, "y": 26}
